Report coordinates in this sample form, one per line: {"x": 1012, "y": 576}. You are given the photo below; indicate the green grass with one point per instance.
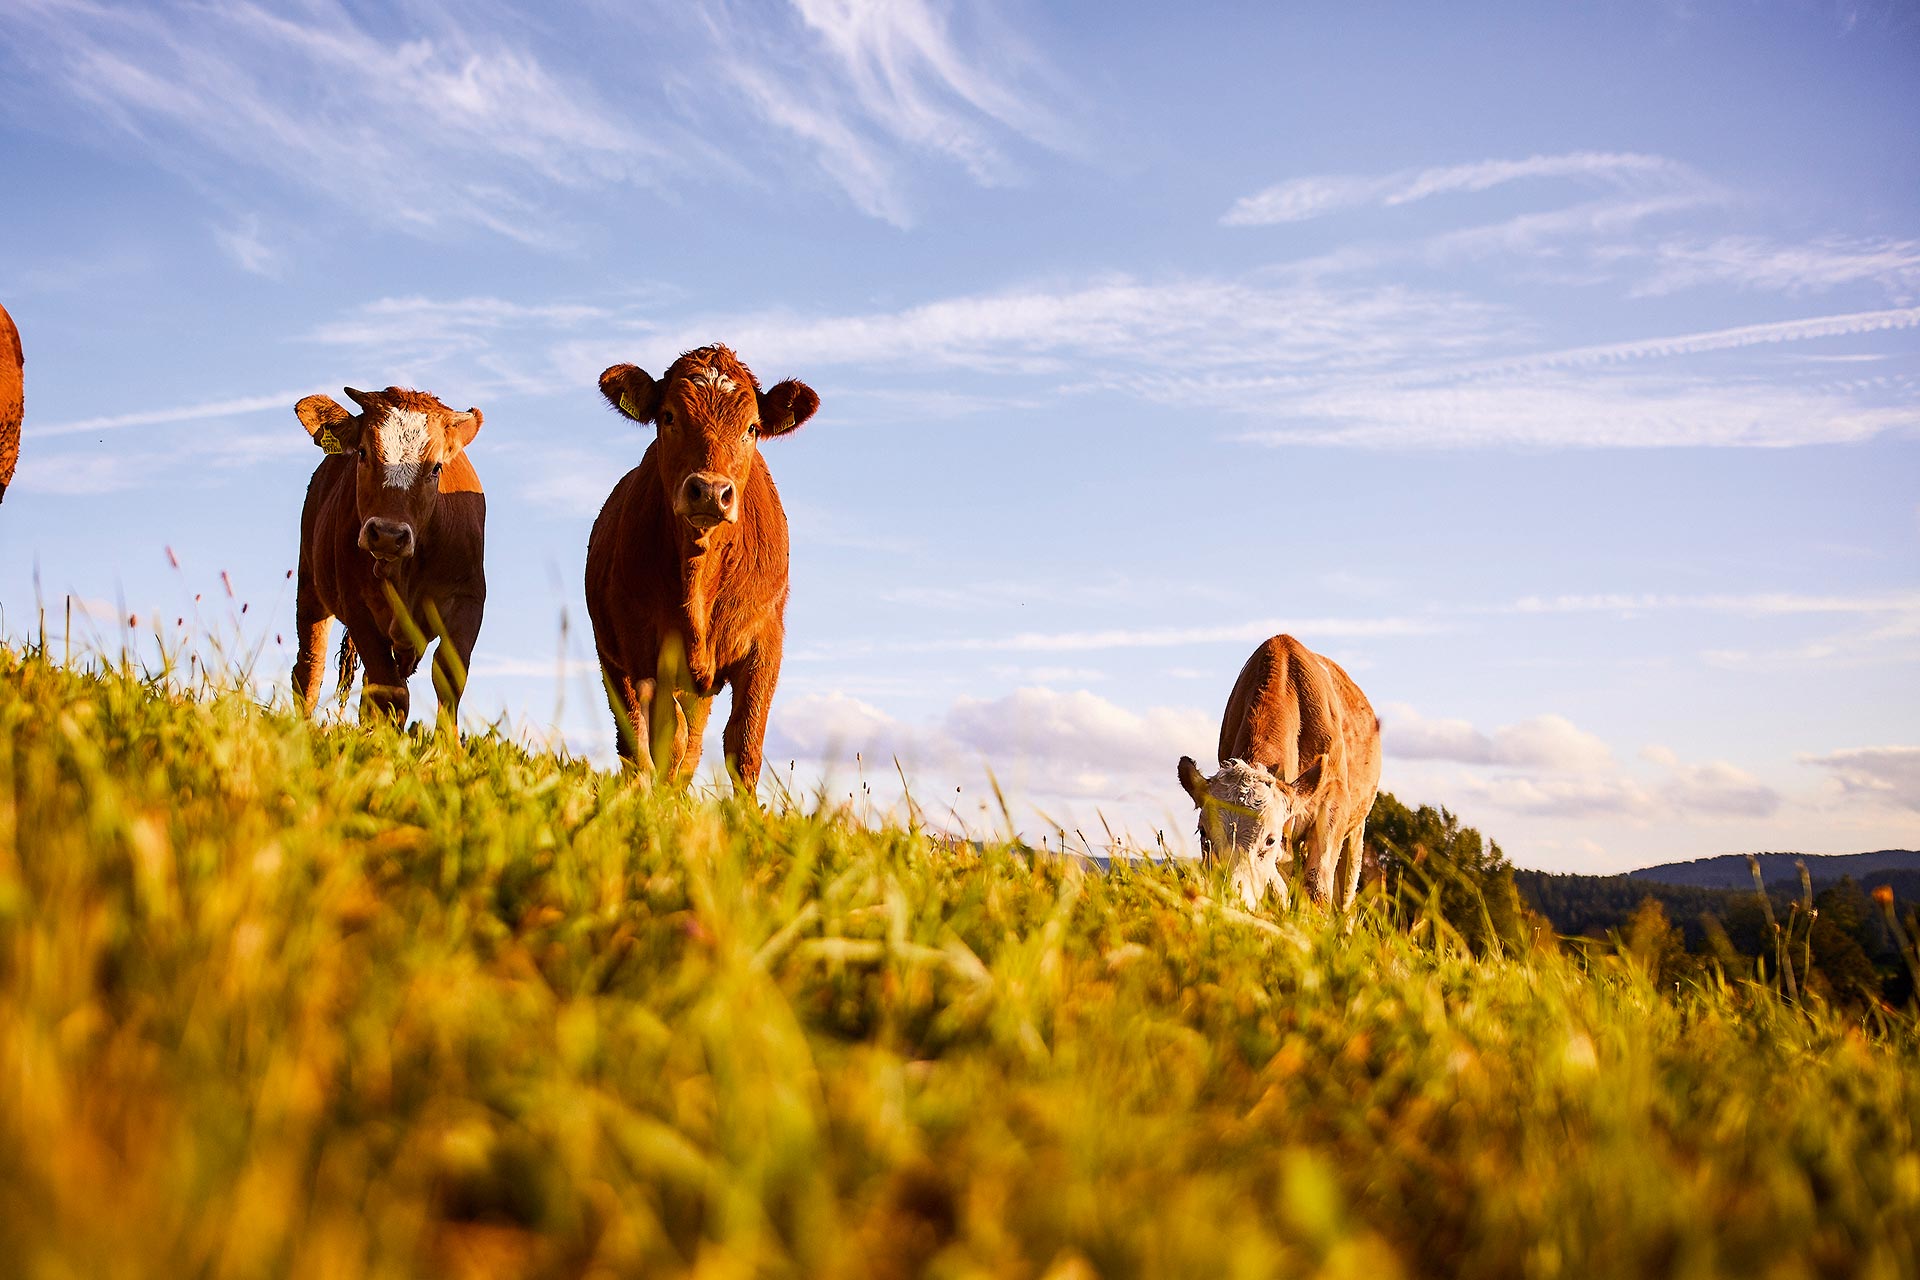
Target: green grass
{"x": 278, "y": 1000}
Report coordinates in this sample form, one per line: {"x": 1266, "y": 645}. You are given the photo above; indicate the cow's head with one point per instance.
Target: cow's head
{"x": 711, "y": 415}
{"x": 1248, "y": 815}
{"x": 398, "y": 442}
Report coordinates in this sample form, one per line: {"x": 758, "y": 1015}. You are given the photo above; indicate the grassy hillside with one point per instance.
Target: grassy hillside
{"x": 277, "y": 1001}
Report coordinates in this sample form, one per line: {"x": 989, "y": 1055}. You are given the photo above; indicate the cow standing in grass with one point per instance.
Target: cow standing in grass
{"x": 1300, "y": 762}
{"x": 391, "y": 542}
{"x": 687, "y": 563}
{"x": 12, "y": 399}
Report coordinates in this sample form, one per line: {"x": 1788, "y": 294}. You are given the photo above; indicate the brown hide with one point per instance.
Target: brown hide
{"x": 1289, "y": 707}
{"x": 404, "y": 465}
{"x": 687, "y": 564}
{"x": 12, "y": 399}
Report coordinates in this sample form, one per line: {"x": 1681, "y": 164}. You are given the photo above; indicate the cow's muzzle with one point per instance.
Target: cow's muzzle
{"x": 387, "y": 539}
{"x": 708, "y": 499}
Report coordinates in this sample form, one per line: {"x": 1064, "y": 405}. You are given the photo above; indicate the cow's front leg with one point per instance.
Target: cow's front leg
{"x": 746, "y": 731}
{"x": 458, "y": 627}
{"x": 632, "y": 704}
{"x": 383, "y": 686}
{"x": 1348, "y": 877}
{"x": 695, "y": 711}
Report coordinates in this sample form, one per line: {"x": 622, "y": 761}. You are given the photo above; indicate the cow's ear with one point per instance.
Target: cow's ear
{"x": 463, "y": 427}
{"x": 785, "y": 406}
{"x": 1190, "y": 780}
{"x": 632, "y": 391}
{"x": 330, "y": 427}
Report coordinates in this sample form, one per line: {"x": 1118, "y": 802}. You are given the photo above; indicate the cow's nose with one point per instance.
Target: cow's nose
{"x": 388, "y": 539}
{"x": 709, "y": 494}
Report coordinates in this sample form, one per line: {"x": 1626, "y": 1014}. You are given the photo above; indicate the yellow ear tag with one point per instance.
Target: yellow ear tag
{"x": 626, "y": 407}
{"x": 328, "y": 441}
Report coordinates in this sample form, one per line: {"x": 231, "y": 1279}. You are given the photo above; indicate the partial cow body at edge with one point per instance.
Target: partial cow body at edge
{"x": 1300, "y": 764}
{"x": 392, "y": 543}
{"x": 12, "y": 398}
{"x": 686, "y": 575}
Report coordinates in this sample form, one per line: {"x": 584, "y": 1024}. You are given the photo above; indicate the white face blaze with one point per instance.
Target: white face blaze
{"x": 1244, "y": 824}
{"x": 403, "y": 440}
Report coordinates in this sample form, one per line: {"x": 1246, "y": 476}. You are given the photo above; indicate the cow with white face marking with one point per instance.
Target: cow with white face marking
{"x": 391, "y": 543}
{"x": 1300, "y": 763}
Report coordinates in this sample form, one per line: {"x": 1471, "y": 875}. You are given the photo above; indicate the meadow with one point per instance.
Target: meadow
{"x": 280, "y": 999}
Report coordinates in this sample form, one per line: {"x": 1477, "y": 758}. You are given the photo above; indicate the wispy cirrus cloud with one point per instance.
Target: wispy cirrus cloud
{"x": 1355, "y": 365}
{"x": 1755, "y": 603}
{"x": 227, "y": 408}
{"x": 1111, "y": 638}
{"x": 1763, "y": 264}
{"x": 1300, "y": 199}
{"x": 442, "y": 126}
{"x": 1561, "y": 411}
{"x": 866, "y": 87}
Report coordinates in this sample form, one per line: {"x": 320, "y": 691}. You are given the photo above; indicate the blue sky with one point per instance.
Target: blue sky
{"x": 1554, "y": 369}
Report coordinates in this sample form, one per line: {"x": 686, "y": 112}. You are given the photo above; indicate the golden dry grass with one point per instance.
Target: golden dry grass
{"x": 278, "y": 1000}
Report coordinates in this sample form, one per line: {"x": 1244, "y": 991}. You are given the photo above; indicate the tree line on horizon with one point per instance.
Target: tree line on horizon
{"x": 1846, "y": 941}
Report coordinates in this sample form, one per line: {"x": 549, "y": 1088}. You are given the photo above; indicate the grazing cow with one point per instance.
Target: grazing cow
{"x": 12, "y": 364}
{"x": 1300, "y": 762}
{"x": 687, "y": 563}
{"x": 391, "y": 542}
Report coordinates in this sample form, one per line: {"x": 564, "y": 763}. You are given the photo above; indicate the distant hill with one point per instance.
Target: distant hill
{"x": 1730, "y": 870}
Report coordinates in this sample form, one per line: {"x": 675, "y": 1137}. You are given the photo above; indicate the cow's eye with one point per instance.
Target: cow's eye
{"x": 751, "y": 432}
{"x": 666, "y": 417}
{"x": 436, "y": 469}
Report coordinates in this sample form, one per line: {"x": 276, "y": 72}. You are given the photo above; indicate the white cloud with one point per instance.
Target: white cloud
{"x": 863, "y": 85}
{"x": 1754, "y": 262}
{"x": 1548, "y": 742}
{"x": 1567, "y": 411}
{"x": 1545, "y": 233}
{"x": 1248, "y": 632}
{"x": 1759, "y": 603}
{"x": 434, "y": 325}
{"x": 1852, "y": 324}
{"x": 1713, "y": 789}
{"x": 1609, "y": 796}
{"x": 1311, "y": 197}
{"x": 1119, "y": 323}
{"x": 440, "y": 126}
{"x": 249, "y": 251}
{"x": 1878, "y": 775}
{"x": 1714, "y": 792}
{"x": 179, "y": 413}
{"x": 1048, "y": 743}
{"x": 85, "y": 474}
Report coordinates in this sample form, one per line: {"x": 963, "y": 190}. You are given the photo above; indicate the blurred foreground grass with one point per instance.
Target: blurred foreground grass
{"x": 278, "y": 1000}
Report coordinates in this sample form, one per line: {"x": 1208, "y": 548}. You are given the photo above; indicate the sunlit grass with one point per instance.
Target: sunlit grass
{"x": 315, "y": 1001}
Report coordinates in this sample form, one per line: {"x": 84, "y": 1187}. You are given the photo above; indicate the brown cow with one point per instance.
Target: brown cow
{"x": 12, "y": 399}
{"x": 391, "y": 542}
{"x": 1300, "y": 762}
{"x": 687, "y": 563}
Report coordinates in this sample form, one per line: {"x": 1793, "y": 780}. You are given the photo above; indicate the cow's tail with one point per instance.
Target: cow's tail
{"x": 349, "y": 659}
